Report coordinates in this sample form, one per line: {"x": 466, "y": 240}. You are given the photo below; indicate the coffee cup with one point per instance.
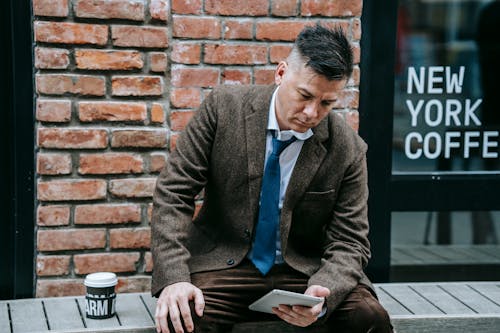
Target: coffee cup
{"x": 100, "y": 296}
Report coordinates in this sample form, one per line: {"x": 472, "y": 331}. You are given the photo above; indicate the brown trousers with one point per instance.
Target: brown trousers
{"x": 228, "y": 293}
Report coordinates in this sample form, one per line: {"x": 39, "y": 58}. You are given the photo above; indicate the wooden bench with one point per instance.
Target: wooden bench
{"x": 413, "y": 307}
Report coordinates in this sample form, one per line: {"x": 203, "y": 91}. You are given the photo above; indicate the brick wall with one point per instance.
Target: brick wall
{"x": 116, "y": 81}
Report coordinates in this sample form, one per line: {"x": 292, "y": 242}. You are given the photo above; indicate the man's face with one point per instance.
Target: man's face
{"x": 304, "y": 98}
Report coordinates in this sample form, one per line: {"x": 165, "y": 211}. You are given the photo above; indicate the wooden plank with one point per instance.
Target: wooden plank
{"x": 132, "y": 312}
{"x": 488, "y": 290}
{"x": 4, "y": 318}
{"x": 471, "y": 298}
{"x": 96, "y": 323}
{"x": 441, "y": 299}
{"x": 400, "y": 257}
{"x": 392, "y": 306}
{"x": 452, "y": 254}
{"x": 62, "y": 313}
{"x": 492, "y": 250}
{"x": 476, "y": 251}
{"x": 27, "y": 316}
{"x": 410, "y": 299}
{"x": 446, "y": 324}
{"x": 150, "y": 303}
{"x": 427, "y": 257}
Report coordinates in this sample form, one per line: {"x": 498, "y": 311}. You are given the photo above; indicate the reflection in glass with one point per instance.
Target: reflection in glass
{"x": 446, "y": 114}
{"x": 445, "y": 246}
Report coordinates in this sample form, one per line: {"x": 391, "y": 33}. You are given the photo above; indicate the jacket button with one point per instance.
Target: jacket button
{"x": 230, "y": 262}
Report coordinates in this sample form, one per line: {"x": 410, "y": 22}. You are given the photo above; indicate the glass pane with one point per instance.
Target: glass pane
{"x": 445, "y": 246}
{"x": 446, "y": 114}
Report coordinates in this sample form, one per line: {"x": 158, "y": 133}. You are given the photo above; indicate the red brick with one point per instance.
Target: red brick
{"x": 278, "y": 53}
{"x": 264, "y": 76}
{"x": 279, "y": 30}
{"x": 134, "y": 284}
{"x": 237, "y": 7}
{"x": 352, "y": 118}
{"x": 126, "y": 35}
{"x": 108, "y": 262}
{"x": 75, "y": 189}
{"x": 347, "y": 99}
{"x": 132, "y": 188}
{"x": 157, "y": 162}
{"x": 179, "y": 119}
{"x": 356, "y": 29}
{"x": 239, "y": 54}
{"x": 49, "y": 216}
{"x": 53, "y": 164}
{"x": 173, "y": 140}
{"x": 356, "y": 50}
{"x": 59, "y": 287}
{"x": 59, "y": 84}
{"x": 354, "y": 80}
{"x": 196, "y": 27}
{"x": 186, "y": 6}
{"x": 110, "y": 163}
{"x": 159, "y": 9}
{"x": 57, "y": 8}
{"x": 137, "y": 85}
{"x": 70, "y": 33}
{"x": 66, "y": 190}
{"x": 238, "y": 29}
{"x": 332, "y": 8}
{"x": 108, "y": 60}
{"x": 51, "y": 58}
{"x": 186, "y": 53}
{"x": 284, "y": 8}
{"x": 148, "y": 262}
{"x": 107, "y": 214}
{"x": 236, "y": 76}
{"x": 109, "y": 9}
{"x": 130, "y": 238}
{"x": 150, "y": 212}
{"x": 157, "y": 114}
{"x": 194, "y": 77}
{"x": 72, "y": 138}
{"x": 158, "y": 62}
{"x": 139, "y": 138}
{"x": 57, "y": 111}
{"x": 52, "y": 265}
{"x": 71, "y": 239}
{"x": 185, "y": 97}
{"x": 112, "y": 111}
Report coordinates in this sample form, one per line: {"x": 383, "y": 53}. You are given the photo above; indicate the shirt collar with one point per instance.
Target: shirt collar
{"x": 272, "y": 124}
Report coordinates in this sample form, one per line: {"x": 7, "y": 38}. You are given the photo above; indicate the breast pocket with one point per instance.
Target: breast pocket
{"x": 320, "y": 196}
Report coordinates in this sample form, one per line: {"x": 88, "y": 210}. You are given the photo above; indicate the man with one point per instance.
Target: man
{"x": 294, "y": 219}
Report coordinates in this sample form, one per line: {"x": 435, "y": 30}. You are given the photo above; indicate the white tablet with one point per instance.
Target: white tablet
{"x": 276, "y": 297}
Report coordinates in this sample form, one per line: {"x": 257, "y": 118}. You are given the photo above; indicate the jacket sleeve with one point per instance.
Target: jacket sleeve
{"x": 183, "y": 177}
{"x": 346, "y": 248}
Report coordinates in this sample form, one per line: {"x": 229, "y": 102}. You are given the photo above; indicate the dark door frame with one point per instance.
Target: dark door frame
{"x": 17, "y": 242}
{"x": 376, "y": 97}
{"x": 402, "y": 192}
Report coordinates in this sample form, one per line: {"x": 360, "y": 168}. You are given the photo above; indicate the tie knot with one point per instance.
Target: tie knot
{"x": 279, "y": 146}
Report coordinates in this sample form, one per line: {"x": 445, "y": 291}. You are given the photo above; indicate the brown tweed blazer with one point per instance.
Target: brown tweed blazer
{"x": 323, "y": 225}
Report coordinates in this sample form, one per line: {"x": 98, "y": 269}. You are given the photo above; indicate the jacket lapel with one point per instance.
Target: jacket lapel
{"x": 312, "y": 154}
{"x": 255, "y": 132}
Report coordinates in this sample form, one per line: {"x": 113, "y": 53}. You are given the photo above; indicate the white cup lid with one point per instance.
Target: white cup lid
{"x": 101, "y": 280}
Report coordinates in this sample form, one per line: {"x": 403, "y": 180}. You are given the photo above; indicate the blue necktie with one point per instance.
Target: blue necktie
{"x": 264, "y": 247}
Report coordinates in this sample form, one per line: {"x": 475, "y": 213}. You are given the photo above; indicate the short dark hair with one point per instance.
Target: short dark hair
{"x": 327, "y": 51}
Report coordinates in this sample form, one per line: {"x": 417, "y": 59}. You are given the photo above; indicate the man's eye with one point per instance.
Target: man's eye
{"x": 305, "y": 96}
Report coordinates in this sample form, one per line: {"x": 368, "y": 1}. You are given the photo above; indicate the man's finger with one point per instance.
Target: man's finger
{"x": 186, "y": 315}
{"x": 199, "y": 302}
{"x": 175, "y": 318}
{"x": 161, "y": 319}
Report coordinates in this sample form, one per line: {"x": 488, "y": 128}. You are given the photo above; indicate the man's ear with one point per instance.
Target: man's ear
{"x": 280, "y": 71}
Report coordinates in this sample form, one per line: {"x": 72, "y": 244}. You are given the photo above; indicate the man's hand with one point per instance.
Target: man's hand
{"x": 174, "y": 302}
{"x": 302, "y": 315}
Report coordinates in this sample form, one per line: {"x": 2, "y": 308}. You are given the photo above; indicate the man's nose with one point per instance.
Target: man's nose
{"x": 311, "y": 110}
